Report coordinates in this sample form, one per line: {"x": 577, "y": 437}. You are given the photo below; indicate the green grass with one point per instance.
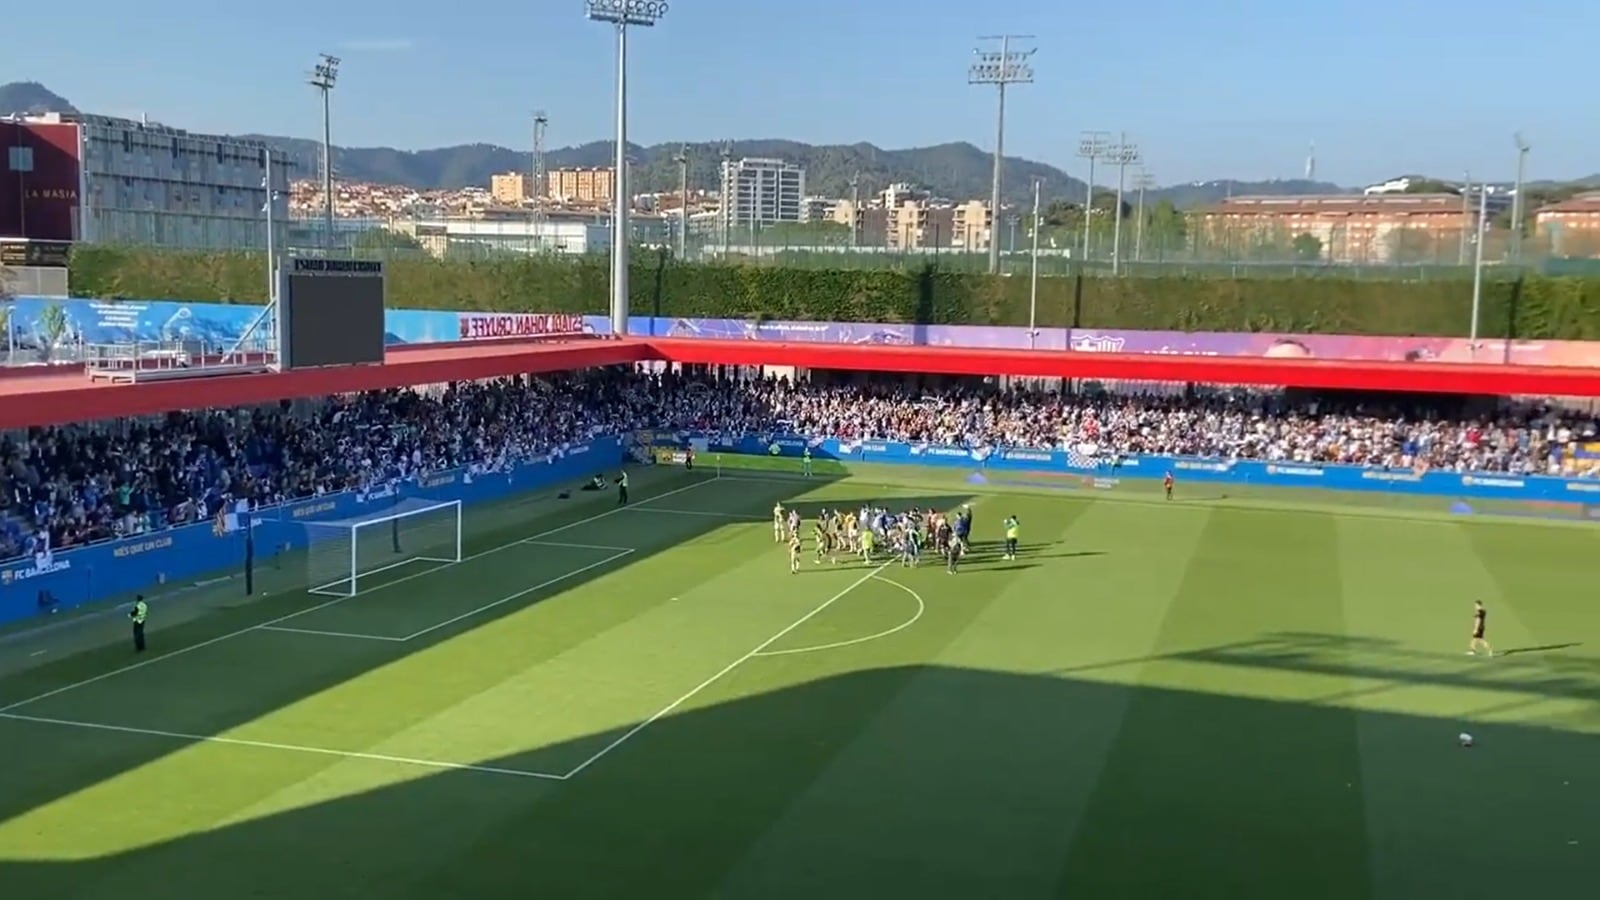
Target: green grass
{"x": 1233, "y": 697}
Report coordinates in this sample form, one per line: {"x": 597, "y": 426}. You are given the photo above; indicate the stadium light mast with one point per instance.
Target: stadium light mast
{"x": 682, "y": 159}
{"x": 1143, "y": 181}
{"x": 1033, "y": 273}
{"x": 1092, "y": 146}
{"x": 541, "y": 123}
{"x": 1518, "y": 209}
{"x": 1124, "y": 155}
{"x": 1477, "y": 267}
{"x": 621, "y": 14}
{"x": 1000, "y": 68}
{"x": 323, "y": 76}
{"x": 855, "y": 210}
{"x": 727, "y": 200}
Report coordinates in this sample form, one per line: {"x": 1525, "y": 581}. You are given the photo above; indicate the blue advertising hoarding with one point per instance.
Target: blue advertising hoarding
{"x": 181, "y": 555}
{"x": 1537, "y": 489}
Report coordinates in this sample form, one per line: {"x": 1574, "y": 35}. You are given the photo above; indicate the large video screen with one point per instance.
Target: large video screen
{"x": 332, "y": 313}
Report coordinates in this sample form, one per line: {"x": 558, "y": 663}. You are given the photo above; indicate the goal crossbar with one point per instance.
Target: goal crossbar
{"x": 342, "y": 554}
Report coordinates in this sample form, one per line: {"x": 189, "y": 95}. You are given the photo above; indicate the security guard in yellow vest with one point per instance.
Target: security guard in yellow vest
{"x": 139, "y": 613}
{"x": 1012, "y": 533}
{"x": 622, "y": 489}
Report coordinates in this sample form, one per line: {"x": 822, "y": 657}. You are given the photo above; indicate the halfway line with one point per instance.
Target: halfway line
{"x": 292, "y": 748}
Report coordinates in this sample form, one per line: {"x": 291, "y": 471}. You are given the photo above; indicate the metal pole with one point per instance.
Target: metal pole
{"x": 999, "y": 162}
{"x": 621, "y": 14}
{"x": 1144, "y": 182}
{"x": 1091, "y": 146}
{"x": 1124, "y": 155}
{"x": 327, "y": 166}
{"x": 1517, "y": 207}
{"x": 1088, "y": 206}
{"x": 1000, "y": 69}
{"x": 1466, "y": 217}
{"x": 1477, "y": 268}
{"x": 855, "y": 210}
{"x": 1033, "y": 273}
{"x": 727, "y": 200}
{"x": 620, "y": 195}
{"x": 683, "y": 203}
{"x": 272, "y": 252}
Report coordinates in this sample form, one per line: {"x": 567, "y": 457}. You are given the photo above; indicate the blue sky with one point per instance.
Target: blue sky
{"x": 1208, "y": 90}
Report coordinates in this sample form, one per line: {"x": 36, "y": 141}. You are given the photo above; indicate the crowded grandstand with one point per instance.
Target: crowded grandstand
{"x": 68, "y": 486}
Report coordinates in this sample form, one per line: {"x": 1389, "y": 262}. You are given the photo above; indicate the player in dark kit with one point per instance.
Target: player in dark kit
{"x": 1480, "y": 627}
{"x": 952, "y": 555}
{"x": 1166, "y": 485}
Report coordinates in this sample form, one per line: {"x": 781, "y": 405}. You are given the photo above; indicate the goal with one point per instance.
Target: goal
{"x": 344, "y": 555}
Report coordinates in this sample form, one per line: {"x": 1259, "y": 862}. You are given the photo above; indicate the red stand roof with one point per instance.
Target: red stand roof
{"x": 61, "y": 394}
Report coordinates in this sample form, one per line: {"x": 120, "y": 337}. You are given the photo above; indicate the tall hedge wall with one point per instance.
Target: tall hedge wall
{"x": 1528, "y": 307}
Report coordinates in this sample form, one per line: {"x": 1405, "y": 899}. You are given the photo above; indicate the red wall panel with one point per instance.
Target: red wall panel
{"x": 42, "y": 202}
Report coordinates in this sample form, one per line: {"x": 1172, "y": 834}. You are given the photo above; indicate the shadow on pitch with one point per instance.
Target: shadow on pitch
{"x": 917, "y": 781}
{"x": 215, "y": 689}
{"x": 1543, "y": 672}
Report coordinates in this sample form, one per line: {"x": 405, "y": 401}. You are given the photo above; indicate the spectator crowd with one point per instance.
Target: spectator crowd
{"x": 80, "y": 484}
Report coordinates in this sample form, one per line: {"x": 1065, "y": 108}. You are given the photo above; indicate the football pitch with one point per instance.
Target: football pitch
{"x": 1201, "y": 698}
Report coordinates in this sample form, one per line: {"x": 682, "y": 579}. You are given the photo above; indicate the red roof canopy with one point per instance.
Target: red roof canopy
{"x": 59, "y": 395}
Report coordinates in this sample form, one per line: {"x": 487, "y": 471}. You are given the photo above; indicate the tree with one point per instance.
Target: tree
{"x": 806, "y": 234}
{"x": 1411, "y": 246}
{"x": 1306, "y": 247}
{"x": 384, "y": 240}
{"x": 53, "y": 326}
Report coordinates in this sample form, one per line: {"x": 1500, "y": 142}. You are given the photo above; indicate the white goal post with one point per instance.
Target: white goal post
{"x": 344, "y": 554}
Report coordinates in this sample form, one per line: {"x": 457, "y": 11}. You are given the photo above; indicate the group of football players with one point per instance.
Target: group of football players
{"x": 873, "y": 534}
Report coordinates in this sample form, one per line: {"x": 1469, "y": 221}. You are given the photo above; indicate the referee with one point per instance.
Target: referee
{"x": 138, "y": 615}
{"x": 622, "y": 489}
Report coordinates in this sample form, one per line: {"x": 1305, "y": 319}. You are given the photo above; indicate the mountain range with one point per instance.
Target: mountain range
{"x": 955, "y": 170}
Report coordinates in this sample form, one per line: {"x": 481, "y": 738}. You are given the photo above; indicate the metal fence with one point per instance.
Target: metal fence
{"x": 1168, "y": 249}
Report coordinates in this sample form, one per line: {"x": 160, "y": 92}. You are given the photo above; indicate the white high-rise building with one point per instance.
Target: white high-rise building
{"x": 763, "y": 191}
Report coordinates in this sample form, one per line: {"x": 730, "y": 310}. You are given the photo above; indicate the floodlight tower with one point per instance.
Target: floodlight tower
{"x": 1518, "y": 210}
{"x": 1143, "y": 182}
{"x": 1000, "y": 68}
{"x": 727, "y": 198}
{"x": 682, "y": 159}
{"x": 323, "y": 76}
{"x": 1092, "y": 146}
{"x": 621, "y": 14}
{"x": 855, "y": 209}
{"x": 541, "y": 123}
{"x": 1123, "y": 154}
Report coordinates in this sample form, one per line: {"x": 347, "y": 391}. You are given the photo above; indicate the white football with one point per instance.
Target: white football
{"x": 1465, "y": 739}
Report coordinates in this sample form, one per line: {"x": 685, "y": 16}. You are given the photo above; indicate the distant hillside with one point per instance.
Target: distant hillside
{"x": 956, "y": 170}
{"x": 30, "y": 98}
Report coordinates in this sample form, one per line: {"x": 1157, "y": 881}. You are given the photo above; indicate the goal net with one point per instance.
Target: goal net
{"x": 345, "y": 555}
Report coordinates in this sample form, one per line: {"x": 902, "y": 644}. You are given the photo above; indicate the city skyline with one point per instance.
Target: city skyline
{"x": 1380, "y": 88}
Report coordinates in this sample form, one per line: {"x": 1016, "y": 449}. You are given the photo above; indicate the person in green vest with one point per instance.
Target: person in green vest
{"x": 1012, "y": 530}
{"x": 138, "y": 615}
{"x": 622, "y": 489}
{"x": 805, "y": 462}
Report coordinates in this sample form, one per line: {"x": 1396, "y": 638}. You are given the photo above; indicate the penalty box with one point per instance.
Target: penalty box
{"x": 413, "y": 601}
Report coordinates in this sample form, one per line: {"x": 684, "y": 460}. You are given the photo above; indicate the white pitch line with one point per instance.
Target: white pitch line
{"x": 190, "y": 648}
{"x": 337, "y": 634}
{"x": 535, "y": 542}
{"x": 292, "y": 748}
{"x": 517, "y": 596}
{"x": 667, "y": 710}
{"x": 922, "y": 607}
{"x": 708, "y": 514}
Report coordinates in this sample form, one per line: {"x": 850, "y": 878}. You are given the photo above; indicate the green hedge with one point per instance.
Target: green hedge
{"x": 1532, "y": 306}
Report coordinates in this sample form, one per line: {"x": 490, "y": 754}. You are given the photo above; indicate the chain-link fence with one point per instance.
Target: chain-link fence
{"x": 1174, "y": 246}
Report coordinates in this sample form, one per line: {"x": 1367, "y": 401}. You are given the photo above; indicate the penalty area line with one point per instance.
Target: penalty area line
{"x": 287, "y": 748}
{"x": 670, "y": 707}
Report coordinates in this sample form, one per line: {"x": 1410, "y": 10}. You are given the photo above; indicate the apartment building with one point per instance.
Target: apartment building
{"x": 763, "y": 191}
{"x": 1350, "y": 228}
{"x": 583, "y": 186}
